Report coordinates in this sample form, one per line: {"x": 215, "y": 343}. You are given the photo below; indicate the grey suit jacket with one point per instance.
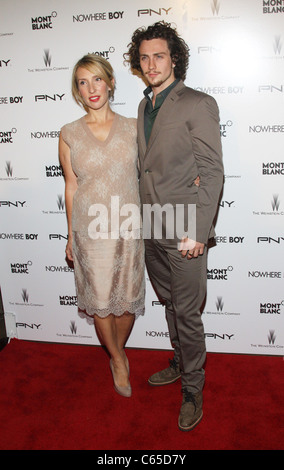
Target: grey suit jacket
{"x": 185, "y": 142}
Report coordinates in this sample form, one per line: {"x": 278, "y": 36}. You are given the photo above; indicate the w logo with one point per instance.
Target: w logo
{"x": 271, "y": 337}
{"x": 47, "y": 58}
{"x": 277, "y": 46}
{"x": 73, "y": 327}
{"x": 275, "y": 202}
{"x": 9, "y": 169}
{"x": 60, "y": 203}
{"x": 219, "y": 304}
{"x": 25, "y": 295}
{"x": 215, "y": 6}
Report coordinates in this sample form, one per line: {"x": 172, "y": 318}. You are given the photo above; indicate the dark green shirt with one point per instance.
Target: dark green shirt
{"x": 150, "y": 112}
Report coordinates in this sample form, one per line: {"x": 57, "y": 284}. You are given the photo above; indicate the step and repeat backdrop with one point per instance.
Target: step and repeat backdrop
{"x": 237, "y": 56}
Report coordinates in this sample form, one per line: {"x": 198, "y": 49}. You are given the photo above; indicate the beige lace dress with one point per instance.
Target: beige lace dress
{"x": 108, "y": 249}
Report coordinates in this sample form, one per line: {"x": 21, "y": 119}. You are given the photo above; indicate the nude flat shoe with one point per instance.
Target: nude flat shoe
{"x": 123, "y": 391}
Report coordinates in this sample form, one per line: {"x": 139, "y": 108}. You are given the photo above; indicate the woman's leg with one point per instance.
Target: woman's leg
{"x": 124, "y": 326}
{"x": 114, "y": 332}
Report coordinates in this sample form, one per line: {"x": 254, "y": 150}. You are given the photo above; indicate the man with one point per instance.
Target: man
{"x": 180, "y": 160}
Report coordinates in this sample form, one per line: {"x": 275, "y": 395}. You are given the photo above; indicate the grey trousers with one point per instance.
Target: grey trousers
{"x": 181, "y": 285}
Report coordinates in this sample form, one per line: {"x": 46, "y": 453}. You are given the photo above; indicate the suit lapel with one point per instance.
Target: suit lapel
{"x": 164, "y": 112}
{"x": 140, "y": 127}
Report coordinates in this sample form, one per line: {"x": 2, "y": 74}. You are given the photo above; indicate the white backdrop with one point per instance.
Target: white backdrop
{"x": 237, "y": 56}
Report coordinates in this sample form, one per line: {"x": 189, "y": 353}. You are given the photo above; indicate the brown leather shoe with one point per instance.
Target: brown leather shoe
{"x": 191, "y": 410}
{"x": 166, "y": 376}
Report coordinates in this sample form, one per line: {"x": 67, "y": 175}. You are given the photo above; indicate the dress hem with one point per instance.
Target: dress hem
{"x": 104, "y": 313}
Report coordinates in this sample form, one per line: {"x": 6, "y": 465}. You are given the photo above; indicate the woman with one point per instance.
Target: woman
{"x": 98, "y": 153}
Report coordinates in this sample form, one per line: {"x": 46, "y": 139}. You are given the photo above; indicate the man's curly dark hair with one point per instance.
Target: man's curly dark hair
{"x": 178, "y": 48}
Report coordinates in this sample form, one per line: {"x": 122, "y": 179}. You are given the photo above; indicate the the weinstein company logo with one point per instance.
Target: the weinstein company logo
{"x": 25, "y": 295}
{"x": 47, "y": 62}
{"x": 25, "y": 300}
{"x": 47, "y": 58}
{"x": 73, "y": 327}
{"x": 9, "y": 169}
{"x": 215, "y": 7}
{"x": 271, "y": 337}
{"x": 277, "y": 46}
{"x": 60, "y": 204}
{"x": 275, "y": 204}
{"x": 9, "y": 172}
{"x": 271, "y": 342}
{"x": 219, "y": 304}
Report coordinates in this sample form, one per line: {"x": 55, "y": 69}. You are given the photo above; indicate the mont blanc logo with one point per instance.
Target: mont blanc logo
{"x": 271, "y": 308}
{"x": 21, "y": 268}
{"x": 6, "y": 136}
{"x": 43, "y": 22}
{"x": 273, "y": 168}
{"x": 105, "y": 54}
{"x": 272, "y": 7}
{"x": 219, "y": 273}
{"x": 68, "y": 300}
{"x": 53, "y": 171}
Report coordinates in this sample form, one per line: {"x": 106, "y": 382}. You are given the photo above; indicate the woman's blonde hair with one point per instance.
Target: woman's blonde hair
{"x": 97, "y": 65}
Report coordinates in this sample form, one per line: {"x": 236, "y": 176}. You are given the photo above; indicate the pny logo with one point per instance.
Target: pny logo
{"x": 47, "y": 58}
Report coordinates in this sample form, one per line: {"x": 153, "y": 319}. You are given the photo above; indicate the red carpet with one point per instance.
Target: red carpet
{"x": 61, "y": 397}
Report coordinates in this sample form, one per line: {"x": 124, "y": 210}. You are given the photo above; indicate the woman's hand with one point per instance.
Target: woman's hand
{"x": 68, "y": 250}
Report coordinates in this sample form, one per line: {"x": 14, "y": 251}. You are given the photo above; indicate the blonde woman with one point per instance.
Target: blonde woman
{"x": 98, "y": 153}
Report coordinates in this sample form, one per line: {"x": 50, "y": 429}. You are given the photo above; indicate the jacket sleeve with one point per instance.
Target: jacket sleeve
{"x": 207, "y": 150}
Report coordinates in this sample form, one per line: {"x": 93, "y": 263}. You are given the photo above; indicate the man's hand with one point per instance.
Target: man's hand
{"x": 190, "y": 248}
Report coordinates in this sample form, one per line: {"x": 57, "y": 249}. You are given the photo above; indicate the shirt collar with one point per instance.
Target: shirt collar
{"x": 149, "y": 93}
